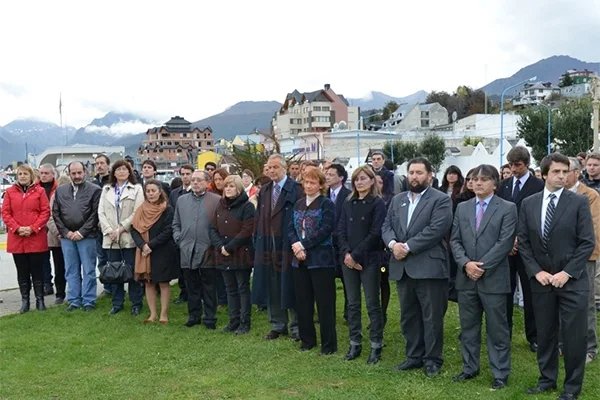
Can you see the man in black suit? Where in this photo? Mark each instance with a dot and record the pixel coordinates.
(520, 186)
(556, 239)
(149, 172)
(335, 177)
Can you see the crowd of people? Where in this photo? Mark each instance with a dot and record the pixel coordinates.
(279, 241)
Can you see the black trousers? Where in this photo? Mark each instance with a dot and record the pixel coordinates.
(239, 299)
(571, 309)
(30, 267)
(59, 271)
(310, 286)
(200, 284)
(517, 266)
(220, 288)
(181, 280)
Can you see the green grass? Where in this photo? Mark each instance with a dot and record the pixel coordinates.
(60, 355)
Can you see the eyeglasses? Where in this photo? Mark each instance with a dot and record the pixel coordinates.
(210, 169)
(198, 180)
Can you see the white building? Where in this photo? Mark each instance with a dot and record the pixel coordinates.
(63, 155)
(534, 93)
(416, 116)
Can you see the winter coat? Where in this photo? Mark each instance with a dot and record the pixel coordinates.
(231, 228)
(53, 240)
(131, 198)
(30, 208)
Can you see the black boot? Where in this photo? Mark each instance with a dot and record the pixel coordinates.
(375, 356)
(38, 289)
(24, 288)
(353, 352)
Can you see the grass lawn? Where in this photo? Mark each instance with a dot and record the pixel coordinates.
(60, 355)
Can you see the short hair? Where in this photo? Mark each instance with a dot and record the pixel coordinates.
(595, 156)
(582, 154)
(162, 197)
(553, 157)
(205, 174)
(176, 182)
(575, 163)
(102, 156)
(222, 172)
(341, 171)
(211, 164)
(237, 181)
(280, 158)
(294, 163)
(50, 167)
(249, 173)
(73, 163)
(189, 167)
(519, 154)
(262, 180)
(487, 171)
(377, 153)
(150, 163)
(29, 170)
(420, 160)
(118, 164)
(317, 175)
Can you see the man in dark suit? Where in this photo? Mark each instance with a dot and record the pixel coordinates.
(272, 279)
(149, 172)
(515, 189)
(185, 172)
(483, 234)
(335, 177)
(556, 239)
(414, 230)
(377, 162)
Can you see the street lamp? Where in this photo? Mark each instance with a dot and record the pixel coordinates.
(502, 112)
(360, 122)
(549, 124)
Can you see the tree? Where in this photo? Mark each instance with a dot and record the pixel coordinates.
(434, 149)
(469, 141)
(533, 128)
(566, 80)
(403, 151)
(572, 129)
(254, 156)
(389, 108)
(465, 101)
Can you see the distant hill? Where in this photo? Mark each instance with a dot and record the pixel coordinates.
(241, 118)
(547, 70)
(376, 100)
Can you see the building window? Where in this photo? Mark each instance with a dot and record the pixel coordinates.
(424, 123)
(316, 108)
(179, 150)
(325, 108)
(209, 143)
(205, 136)
(425, 114)
(169, 143)
(184, 135)
(176, 143)
(540, 91)
(321, 119)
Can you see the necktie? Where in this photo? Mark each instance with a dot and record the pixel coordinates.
(276, 193)
(332, 196)
(548, 220)
(479, 215)
(517, 190)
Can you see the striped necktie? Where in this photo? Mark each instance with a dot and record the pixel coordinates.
(276, 193)
(548, 220)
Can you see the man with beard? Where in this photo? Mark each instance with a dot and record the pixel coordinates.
(75, 212)
(414, 230)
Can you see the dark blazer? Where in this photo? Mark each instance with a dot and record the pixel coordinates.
(359, 230)
(339, 202)
(570, 244)
(175, 195)
(271, 242)
(231, 228)
(318, 221)
(430, 222)
(489, 245)
(532, 186)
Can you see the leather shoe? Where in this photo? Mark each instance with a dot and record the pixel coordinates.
(71, 307)
(409, 364)
(295, 337)
(179, 300)
(463, 376)
(210, 327)
(114, 310)
(353, 352)
(375, 356)
(191, 323)
(230, 328)
(567, 396)
(432, 370)
(135, 311)
(533, 346)
(539, 389)
(272, 335)
(498, 384)
(327, 352)
(306, 348)
(88, 308)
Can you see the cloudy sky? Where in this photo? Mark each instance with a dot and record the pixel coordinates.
(159, 58)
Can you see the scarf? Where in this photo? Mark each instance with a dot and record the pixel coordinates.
(144, 218)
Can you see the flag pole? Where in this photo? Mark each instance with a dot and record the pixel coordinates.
(62, 147)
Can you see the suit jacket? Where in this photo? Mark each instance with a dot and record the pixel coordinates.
(430, 222)
(532, 186)
(594, 199)
(489, 245)
(339, 202)
(570, 244)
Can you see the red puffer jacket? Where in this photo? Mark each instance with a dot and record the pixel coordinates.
(29, 208)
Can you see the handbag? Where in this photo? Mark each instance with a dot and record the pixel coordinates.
(116, 271)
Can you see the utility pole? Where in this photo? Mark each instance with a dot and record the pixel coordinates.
(596, 111)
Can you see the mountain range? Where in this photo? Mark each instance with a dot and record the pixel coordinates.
(126, 129)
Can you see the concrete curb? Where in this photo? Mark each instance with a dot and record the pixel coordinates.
(2, 245)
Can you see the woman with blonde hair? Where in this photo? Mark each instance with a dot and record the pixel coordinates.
(231, 232)
(359, 239)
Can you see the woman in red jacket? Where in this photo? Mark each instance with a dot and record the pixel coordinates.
(26, 211)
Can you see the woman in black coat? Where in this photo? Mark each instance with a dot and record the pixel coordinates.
(152, 233)
(359, 239)
(313, 266)
(231, 235)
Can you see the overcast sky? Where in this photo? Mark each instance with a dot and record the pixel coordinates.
(194, 59)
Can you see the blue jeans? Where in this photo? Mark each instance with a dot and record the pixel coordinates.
(80, 256)
(101, 255)
(136, 290)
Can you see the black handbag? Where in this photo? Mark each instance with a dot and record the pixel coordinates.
(116, 271)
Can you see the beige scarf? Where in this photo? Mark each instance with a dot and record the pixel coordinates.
(144, 218)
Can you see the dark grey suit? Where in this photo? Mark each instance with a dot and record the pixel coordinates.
(422, 276)
(490, 244)
(570, 244)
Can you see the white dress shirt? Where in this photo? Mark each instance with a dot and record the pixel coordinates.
(546, 201)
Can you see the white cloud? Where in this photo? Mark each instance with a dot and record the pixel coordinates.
(121, 128)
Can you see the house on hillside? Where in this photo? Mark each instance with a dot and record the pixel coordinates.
(416, 116)
(534, 93)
